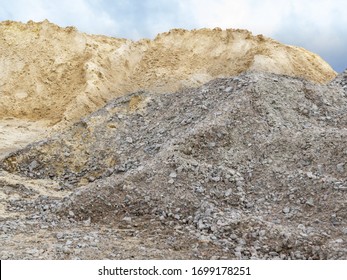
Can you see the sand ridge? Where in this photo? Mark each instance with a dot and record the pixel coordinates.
(60, 74)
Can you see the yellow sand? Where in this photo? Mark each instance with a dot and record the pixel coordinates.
(59, 74)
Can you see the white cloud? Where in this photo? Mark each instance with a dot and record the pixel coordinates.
(87, 15)
(266, 16)
(318, 25)
(257, 16)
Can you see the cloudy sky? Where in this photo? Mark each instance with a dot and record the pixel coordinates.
(317, 25)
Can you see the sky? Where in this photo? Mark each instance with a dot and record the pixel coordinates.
(319, 26)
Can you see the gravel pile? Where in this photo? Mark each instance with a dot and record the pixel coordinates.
(341, 80)
(249, 167)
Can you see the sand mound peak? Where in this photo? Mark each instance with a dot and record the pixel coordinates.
(56, 74)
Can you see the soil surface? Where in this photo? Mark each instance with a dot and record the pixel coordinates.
(17, 133)
(247, 167)
(202, 144)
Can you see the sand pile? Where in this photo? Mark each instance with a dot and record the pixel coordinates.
(52, 73)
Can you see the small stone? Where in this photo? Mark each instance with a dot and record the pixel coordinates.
(213, 237)
(286, 210)
(127, 219)
(249, 204)
(204, 238)
(33, 252)
(129, 140)
(239, 183)
(310, 202)
(228, 192)
(298, 255)
(71, 214)
(340, 167)
(301, 227)
(87, 222)
(228, 89)
(211, 145)
(60, 235)
(140, 168)
(91, 179)
(215, 179)
(128, 187)
(201, 225)
(199, 189)
(238, 254)
(173, 174)
(177, 217)
(233, 236)
(33, 165)
(171, 181)
(66, 250)
(127, 198)
(4, 255)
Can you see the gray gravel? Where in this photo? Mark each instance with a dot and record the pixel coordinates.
(249, 167)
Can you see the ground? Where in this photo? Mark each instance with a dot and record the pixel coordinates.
(248, 167)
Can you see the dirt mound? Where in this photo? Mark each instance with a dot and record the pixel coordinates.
(57, 74)
(247, 167)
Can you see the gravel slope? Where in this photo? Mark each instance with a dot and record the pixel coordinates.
(252, 166)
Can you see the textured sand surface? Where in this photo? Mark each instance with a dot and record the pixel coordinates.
(52, 73)
(17, 133)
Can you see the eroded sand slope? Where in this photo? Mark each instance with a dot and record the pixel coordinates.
(54, 74)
